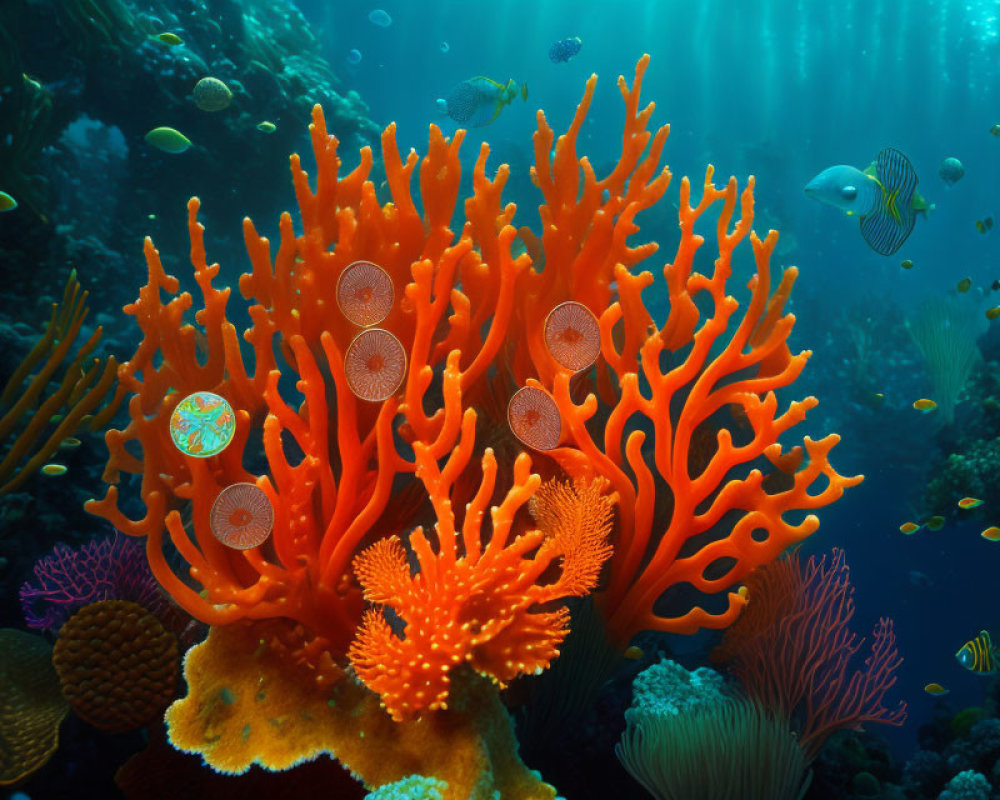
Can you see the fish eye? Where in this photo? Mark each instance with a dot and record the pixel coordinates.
(849, 192)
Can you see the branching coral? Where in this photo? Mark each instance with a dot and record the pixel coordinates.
(793, 651)
(476, 600)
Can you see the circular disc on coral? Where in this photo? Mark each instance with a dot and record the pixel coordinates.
(31, 705)
(573, 335)
(202, 425)
(375, 364)
(211, 94)
(364, 293)
(534, 418)
(118, 665)
(242, 516)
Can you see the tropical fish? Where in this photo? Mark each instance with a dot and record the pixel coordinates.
(884, 196)
(924, 405)
(978, 655)
(633, 653)
(936, 689)
(993, 313)
(969, 502)
(168, 140)
(984, 224)
(563, 50)
(991, 534)
(266, 127)
(53, 470)
(909, 528)
(906, 264)
(171, 39)
(7, 203)
(935, 523)
(478, 101)
(964, 285)
(995, 130)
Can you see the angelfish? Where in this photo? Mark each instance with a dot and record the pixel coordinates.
(884, 196)
(978, 655)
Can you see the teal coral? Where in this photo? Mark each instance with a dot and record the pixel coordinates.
(667, 689)
(968, 785)
(416, 787)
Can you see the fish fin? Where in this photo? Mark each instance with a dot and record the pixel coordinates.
(890, 222)
(496, 112)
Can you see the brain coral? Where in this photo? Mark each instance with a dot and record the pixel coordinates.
(118, 665)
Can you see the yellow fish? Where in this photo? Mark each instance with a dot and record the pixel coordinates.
(964, 285)
(266, 127)
(170, 39)
(924, 405)
(993, 313)
(53, 469)
(936, 689)
(633, 653)
(969, 502)
(907, 264)
(909, 528)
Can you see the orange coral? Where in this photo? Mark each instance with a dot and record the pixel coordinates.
(472, 602)
(249, 703)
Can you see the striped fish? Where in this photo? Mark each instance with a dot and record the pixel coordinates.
(978, 655)
(890, 222)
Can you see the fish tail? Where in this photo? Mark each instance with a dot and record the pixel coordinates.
(890, 222)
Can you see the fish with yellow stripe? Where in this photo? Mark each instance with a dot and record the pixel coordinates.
(478, 101)
(884, 196)
(978, 655)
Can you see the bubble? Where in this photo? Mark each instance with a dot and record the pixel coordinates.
(354, 56)
(534, 418)
(380, 18)
(444, 47)
(202, 425)
(572, 335)
(242, 516)
(375, 365)
(364, 293)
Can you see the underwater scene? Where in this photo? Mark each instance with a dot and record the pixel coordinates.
(499, 401)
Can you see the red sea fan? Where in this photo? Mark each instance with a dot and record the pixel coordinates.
(793, 650)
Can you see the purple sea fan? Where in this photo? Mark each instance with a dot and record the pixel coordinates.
(113, 568)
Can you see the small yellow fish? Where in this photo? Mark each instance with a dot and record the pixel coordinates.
(266, 127)
(964, 285)
(633, 653)
(991, 534)
(7, 203)
(53, 469)
(924, 405)
(936, 689)
(995, 130)
(907, 264)
(169, 39)
(69, 443)
(969, 502)
(168, 140)
(909, 528)
(993, 313)
(935, 523)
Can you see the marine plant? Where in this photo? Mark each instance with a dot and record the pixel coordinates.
(356, 435)
(56, 391)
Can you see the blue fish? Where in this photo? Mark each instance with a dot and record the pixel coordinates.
(478, 101)
(562, 51)
(884, 196)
